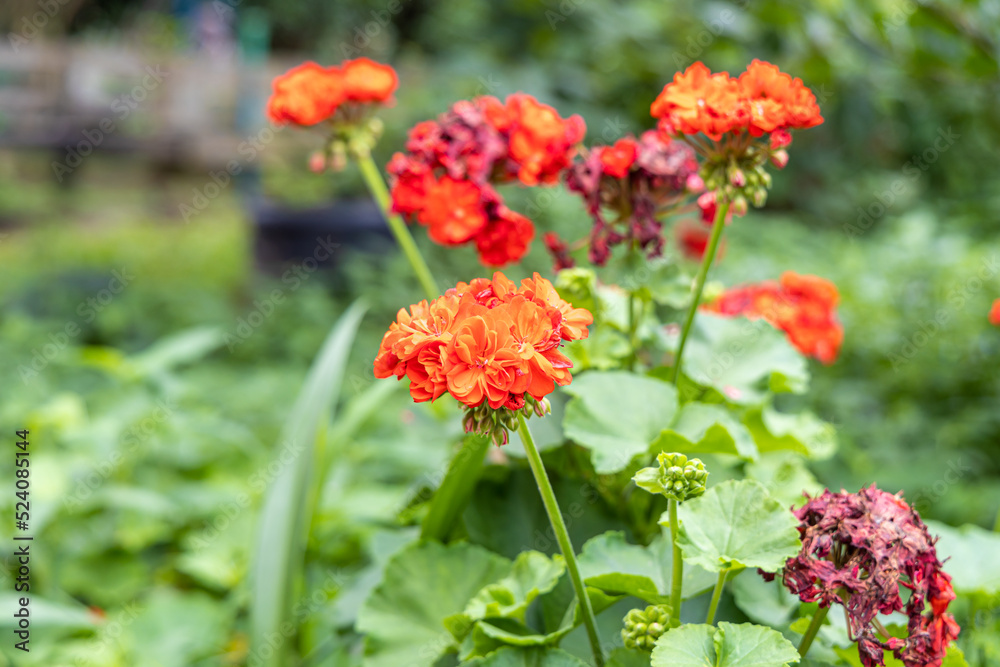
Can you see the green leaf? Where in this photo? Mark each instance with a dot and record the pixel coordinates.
(617, 415)
(533, 573)
(729, 645)
(765, 602)
(455, 490)
(280, 545)
(702, 428)
(743, 359)
(628, 657)
(609, 563)
(181, 348)
(973, 557)
(804, 432)
(512, 657)
(424, 584)
(785, 476)
(46, 613)
(736, 524)
(489, 635)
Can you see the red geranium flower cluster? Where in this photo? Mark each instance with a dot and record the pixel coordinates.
(995, 313)
(485, 341)
(762, 100)
(859, 550)
(309, 93)
(634, 181)
(802, 306)
(445, 179)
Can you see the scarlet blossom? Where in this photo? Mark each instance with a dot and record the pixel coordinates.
(487, 342)
(309, 94)
(306, 95)
(762, 100)
(483, 142)
(995, 313)
(559, 250)
(860, 550)
(616, 160)
(627, 195)
(368, 81)
(453, 211)
(802, 306)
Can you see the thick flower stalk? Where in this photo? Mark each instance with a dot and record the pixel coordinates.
(627, 188)
(861, 551)
(446, 178)
(803, 306)
(642, 627)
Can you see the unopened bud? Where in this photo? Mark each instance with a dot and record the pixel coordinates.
(317, 162)
(676, 477)
(779, 158)
(740, 206)
(641, 628)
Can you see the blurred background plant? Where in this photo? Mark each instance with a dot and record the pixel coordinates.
(155, 423)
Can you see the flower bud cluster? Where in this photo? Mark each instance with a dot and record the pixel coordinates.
(676, 477)
(496, 424)
(644, 626)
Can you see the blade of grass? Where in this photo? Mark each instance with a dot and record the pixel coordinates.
(455, 490)
(280, 538)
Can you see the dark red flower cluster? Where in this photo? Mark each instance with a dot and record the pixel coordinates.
(804, 307)
(633, 181)
(859, 550)
(445, 179)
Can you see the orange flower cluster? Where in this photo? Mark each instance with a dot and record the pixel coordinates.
(488, 340)
(802, 306)
(446, 178)
(310, 93)
(995, 313)
(762, 100)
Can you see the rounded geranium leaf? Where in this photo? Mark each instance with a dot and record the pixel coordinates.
(617, 415)
(729, 645)
(533, 657)
(737, 524)
(404, 616)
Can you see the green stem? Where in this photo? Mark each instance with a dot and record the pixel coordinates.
(455, 490)
(562, 536)
(814, 626)
(678, 578)
(633, 328)
(699, 286)
(716, 594)
(376, 185)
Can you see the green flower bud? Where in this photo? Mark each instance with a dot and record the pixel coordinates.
(642, 627)
(676, 477)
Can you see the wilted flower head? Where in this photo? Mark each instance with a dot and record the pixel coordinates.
(445, 179)
(763, 103)
(628, 186)
(803, 306)
(859, 550)
(487, 343)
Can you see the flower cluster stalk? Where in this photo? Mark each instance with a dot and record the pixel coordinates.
(699, 286)
(562, 536)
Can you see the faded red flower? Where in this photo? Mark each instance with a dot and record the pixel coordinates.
(860, 550)
(802, 306)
